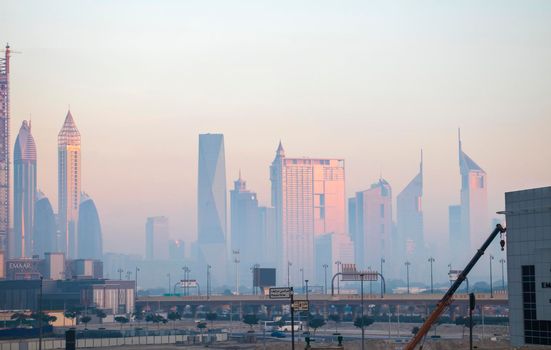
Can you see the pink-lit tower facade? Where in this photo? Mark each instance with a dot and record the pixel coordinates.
(372, 226)
(69, 182)
(308, 195)
(4, 150)
(474, 200)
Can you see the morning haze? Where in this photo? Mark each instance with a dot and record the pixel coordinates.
(372, 83)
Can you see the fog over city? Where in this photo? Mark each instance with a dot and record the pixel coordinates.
(372, 83)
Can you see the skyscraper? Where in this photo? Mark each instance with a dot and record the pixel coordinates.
(176, 249)
(69, 179)
(474, 200)
(156, 238)
(373, 235)
(211, 206)
(245, 220)
(410, 241)
(24, 194)
(44, 229)
(308, 195)
(90, 242)
(4, 149)
(458, 244)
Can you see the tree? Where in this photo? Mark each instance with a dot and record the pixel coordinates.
(45, 318)
(158, 319)
(85, 319)
(19, 317)
(211, 316)
(364, 321)
(251, 320)
(201, 326)
(122, 320)
(173, 316)
(316, 322)
(101, 315)
(337, 319)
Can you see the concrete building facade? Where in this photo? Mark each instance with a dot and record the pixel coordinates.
(528, 216)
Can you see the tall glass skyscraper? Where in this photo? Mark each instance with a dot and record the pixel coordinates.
(308, 195)
(24, 194)
(69, 179)
(410, 241)
(474, 201)
(213, 240)
(90, 242)
(44, 230)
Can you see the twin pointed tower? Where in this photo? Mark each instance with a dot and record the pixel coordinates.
(69, 179)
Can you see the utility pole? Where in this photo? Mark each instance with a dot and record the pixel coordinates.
(431, 260)
(502, 261)
(289, 264)
(338, 263)
(491, 281)
(407, 263)
(325, 266)
(382, 262)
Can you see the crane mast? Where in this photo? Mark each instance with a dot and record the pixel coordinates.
(447, 298)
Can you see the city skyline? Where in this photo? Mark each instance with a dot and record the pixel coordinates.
(454, 83)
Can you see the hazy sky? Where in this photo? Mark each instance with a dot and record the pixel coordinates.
(369, 81)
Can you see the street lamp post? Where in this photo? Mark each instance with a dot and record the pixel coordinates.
(40, 316)
(169, 284)
(502, 261)
(407, 263)
(491, 282)
(431, 260)
(325, 266)
(136, 291)
(382, 262)
(370, 283)
(450, 269)
(338, 263)
(236, 261)
(289, 264)
(362, 304)
(302, 276)
(186, 278)
(253, 271)
(208, 281)
(120, 271)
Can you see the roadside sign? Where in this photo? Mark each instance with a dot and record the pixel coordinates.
(189, 283)
(301, 305)
(357, 276)
(281, 292)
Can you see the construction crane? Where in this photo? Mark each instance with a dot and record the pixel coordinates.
(447, 298)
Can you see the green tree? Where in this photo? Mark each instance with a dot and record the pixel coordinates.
(85, 319)
(201, 326)
(211, 316)
(19, 317)
(251, 320)
(121, 320)
(337, 319)
(101, 315)
(316, 322)
(174, 316)
(364, 321)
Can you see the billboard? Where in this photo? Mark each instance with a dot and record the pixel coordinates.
(264, 277)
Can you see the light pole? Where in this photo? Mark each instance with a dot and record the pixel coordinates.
(370, 283)
(128, 275)
(431, 260)
(169, 284)
(338, 263)
(289, 264)
(450, 270)
(491, 282)
(302, 276)
(253, 271)
(236, 261)
(40, 316)
(407, 263)
(502, 261)
(208, 281)
(308, 312)
(325, 266)
(120, 271)
(136, 292)
(382, 262)
(186, 277)
(362, 304)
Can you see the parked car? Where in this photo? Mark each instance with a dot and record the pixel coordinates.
(278, 334)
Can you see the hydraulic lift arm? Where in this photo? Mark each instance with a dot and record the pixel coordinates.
(447, 298)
